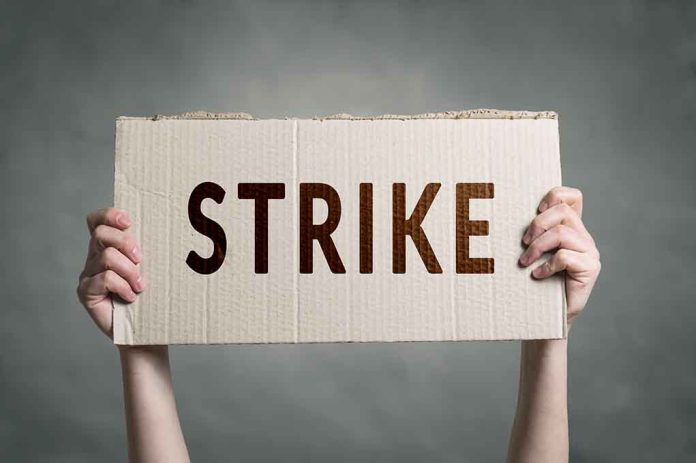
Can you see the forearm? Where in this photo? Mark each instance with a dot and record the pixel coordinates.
(154, 432)
(540, 429)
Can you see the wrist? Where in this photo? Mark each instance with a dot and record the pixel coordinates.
(538, 349)
(143, 353)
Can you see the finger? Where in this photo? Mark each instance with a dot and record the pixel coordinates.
(559, 236)
(560, 214)
(113, 259)
(564, 259)
(108, 216)
(562, 194)
(101, 285)
(99, 307)
(105, 236)
(96, 292)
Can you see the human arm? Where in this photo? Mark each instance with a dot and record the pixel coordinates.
(154, 432)
(540, 428)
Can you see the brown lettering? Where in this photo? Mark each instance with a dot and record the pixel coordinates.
(321, 232)
(365, 228)
(466, 228)
(412, 227)
(207, 227)
(261, 193)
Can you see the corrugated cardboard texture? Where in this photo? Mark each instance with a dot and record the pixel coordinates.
(159, 161)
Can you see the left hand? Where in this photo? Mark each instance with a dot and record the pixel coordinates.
(559, 227)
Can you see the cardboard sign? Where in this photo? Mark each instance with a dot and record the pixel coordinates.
(343, 229)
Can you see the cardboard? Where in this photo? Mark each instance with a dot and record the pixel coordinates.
(415, 256)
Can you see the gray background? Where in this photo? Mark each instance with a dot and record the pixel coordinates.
(621, 74)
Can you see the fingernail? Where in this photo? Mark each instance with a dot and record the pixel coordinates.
(136, 254)
(523, 259)
(539, 271)
(543, 206)
(525, 238)
(139, 284)
(123, 220)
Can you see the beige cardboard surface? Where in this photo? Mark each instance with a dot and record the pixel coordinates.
(161, 160)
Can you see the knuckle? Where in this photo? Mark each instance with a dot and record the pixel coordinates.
(106, 216)
(110, 278)
(100, 231)
(535, 227)
(559, 191)
(127, 242)
(556, 232)
(130, 271)
(104, 260)
(563, 231)
(565, 209)
(108, 258)
(562, 256)
(536, 222)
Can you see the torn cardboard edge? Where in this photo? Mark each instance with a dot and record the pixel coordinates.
(480, 113)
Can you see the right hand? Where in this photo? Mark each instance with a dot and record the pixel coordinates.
(111, 266)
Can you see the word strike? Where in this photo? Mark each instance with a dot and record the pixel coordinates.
(402, 226)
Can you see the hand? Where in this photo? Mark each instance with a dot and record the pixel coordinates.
(111, 266)
(559, 227)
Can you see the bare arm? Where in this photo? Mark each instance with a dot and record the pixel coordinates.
(154, 432)
(540, 430)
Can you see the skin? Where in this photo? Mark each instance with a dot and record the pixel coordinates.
(540, 428)
(152, 422)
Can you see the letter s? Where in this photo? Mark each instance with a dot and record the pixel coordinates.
(207, 227)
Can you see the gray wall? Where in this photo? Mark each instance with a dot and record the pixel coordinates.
(623, 77)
